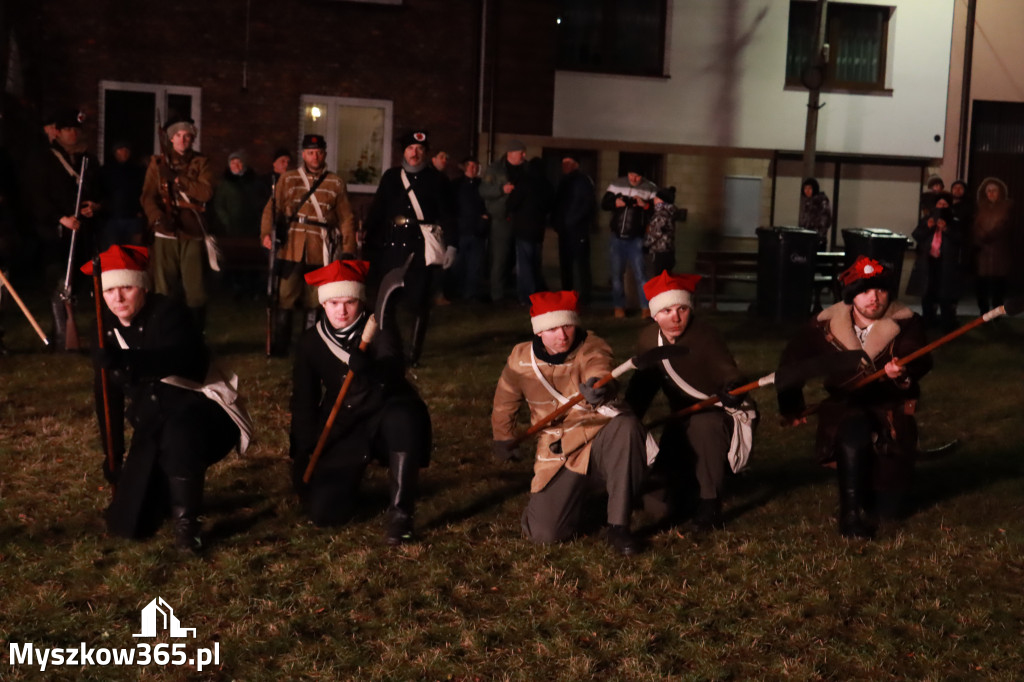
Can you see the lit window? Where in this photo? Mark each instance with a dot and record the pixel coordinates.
(358, 134)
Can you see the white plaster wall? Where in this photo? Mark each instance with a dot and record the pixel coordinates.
(726, 87)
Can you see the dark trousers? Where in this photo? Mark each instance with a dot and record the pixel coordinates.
(574, 264)
(990, 292)
(332, 496)
(617, 462)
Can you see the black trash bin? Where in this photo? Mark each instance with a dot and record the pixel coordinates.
(785, 272)
(884, 246)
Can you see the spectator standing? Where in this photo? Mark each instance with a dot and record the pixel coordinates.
(238, 204)
(498, 182)
(936, 274)
(660, 240)
(528, 207)
(121, 182)
(991, 239)
(815, 211)
(629, 199)
(573, 217)
(474, 228)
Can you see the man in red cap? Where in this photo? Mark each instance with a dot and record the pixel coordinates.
(413, 214)
(696, 449)
(870, 433)
(311, 218)
(382, 417)
(595, 441)
(159, 378)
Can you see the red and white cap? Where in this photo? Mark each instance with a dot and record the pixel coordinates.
(122, 266)
(340, 279)
(665, 291)
(550, 309)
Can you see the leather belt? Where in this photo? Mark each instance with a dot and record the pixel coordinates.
(305, 220)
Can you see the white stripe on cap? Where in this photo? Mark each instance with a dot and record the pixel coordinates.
(111, 279)
(667, 299)
(344, 289)
(555, 318)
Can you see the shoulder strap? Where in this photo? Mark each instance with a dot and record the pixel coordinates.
(412, 196)
(309, 192)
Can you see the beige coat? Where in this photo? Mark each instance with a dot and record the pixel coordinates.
(518, 382)
(304, 242)
(194, 177)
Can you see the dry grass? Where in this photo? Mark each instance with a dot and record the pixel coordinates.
(777, 595)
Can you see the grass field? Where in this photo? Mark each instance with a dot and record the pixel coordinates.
(776, 595)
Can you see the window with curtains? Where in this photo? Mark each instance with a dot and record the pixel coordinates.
(612, 36)
(858, 40)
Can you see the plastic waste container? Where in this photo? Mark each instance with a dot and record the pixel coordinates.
(786, 259)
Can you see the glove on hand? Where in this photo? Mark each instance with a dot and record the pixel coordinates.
(594, 395)
(505, 450)
(359, 361)
(727, 398)
(449, 258)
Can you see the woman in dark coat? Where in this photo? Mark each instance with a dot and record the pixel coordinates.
(815, 210)
(991, 240)
(936, 275)
(381, 418)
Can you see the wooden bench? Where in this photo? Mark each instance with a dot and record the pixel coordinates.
(741, 266)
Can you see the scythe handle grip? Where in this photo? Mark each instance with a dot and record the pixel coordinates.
(369, 331)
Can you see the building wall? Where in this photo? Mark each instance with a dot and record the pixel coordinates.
(422, 55)
(726, 87)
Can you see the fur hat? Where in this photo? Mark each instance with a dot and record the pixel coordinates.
(866, 273)
(173, 126)
(414, 137)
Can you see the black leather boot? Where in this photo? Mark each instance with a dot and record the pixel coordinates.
(419, 335)
(403, 473)
(707, 517)
(60, 323)
(186, 503)
(851, 467)
(281, 335)
(622, 541)
(198, 314)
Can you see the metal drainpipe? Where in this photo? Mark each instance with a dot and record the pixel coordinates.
(965, 91)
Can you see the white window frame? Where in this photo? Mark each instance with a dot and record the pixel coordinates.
(330, 123)
(161, 91)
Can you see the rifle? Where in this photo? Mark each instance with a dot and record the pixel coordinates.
(164, 164)
(272, 289)
(108, 436)
(71, 341)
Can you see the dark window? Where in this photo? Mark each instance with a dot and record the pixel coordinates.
(648, 165)
(612, 36)
(857, 36)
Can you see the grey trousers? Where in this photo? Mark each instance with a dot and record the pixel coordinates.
(618, 460)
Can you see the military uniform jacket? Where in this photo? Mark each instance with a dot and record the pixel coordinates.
(304, 242)
(392, 200)
(708, 366)
(317, 378)
(575, 431)
(55, 188)
(162, 342)
(192, 187)
(891, 403)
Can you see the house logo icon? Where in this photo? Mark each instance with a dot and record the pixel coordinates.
(158, 615)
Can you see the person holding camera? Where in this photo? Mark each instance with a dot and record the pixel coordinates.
(936, 274)
(629, 199)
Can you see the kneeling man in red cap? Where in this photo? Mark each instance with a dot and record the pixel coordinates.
(697, 449)
(381, 418)
(185, 414)
(595, 441)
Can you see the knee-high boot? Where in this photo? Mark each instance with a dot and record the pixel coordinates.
(281, 336)
(403, 474)
(852, 474)
(419, 335)
(186, 504)
(60, 322)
